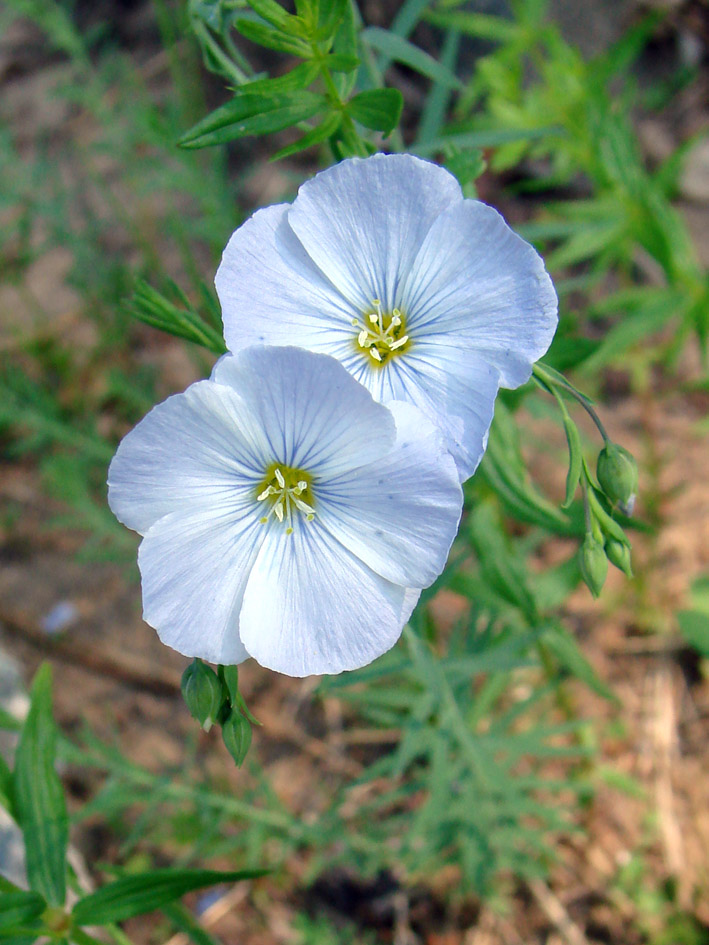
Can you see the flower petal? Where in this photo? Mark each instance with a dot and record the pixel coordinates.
(272, 293)
(194, 568)
(475, 279)
(454, 385)
(313, 413)
(190, 449)
(312, 607)
(363, 221)
(400, 514)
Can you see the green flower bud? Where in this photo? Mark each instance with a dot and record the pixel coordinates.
(618, 553)
(236, 732)
(202, 692)
(617, 474)
(593, 564)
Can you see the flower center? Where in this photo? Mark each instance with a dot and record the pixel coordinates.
(381, 334)
(284, 491)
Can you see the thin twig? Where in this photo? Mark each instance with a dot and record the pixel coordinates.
(555, 911)
(152, 679)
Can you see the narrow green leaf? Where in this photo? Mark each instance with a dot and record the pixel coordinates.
(40, 807)
(268, 114)
(337, 63)
(274, 14)
(566, 650)
(435, 110)
(486, 138)
(346, 43)
(20, 909)
(273, 39)
(401, 50)
(245, 104)
(330, 15)
(378, 109)
(298, 78)
(151, 307)
(6, 800)
(326, 129)
(8, 722)
(480, 25)
(135, 895)
(186, 922)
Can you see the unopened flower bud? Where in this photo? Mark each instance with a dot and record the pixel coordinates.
(618, 553)
(617, 474)
(236, 732)
(593, 563)
(202, 692)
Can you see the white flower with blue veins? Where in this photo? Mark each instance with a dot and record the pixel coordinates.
(285, 514)
(424, 296)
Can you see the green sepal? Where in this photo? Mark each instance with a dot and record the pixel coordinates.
(618, 553)
(593, 564)
(617, 474)
(237, 733)
(202, 692)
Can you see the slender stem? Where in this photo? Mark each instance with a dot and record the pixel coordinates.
(586, 507)
(548, 381)
(348, 127)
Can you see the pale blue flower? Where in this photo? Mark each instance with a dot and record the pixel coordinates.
(286, 514)
(423, 296)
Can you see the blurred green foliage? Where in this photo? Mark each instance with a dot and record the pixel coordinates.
(488, 761)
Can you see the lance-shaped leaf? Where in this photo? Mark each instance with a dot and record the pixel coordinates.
(6, 800)
(274, 14)
(315, 136)
(401, 50)
(253, 114)
(378, 109)
(135, 895)
(39, 802)
(20, 909)
(273, 38)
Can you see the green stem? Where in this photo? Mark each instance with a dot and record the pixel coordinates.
(230, 69)
(548, 380)
(349, 131)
